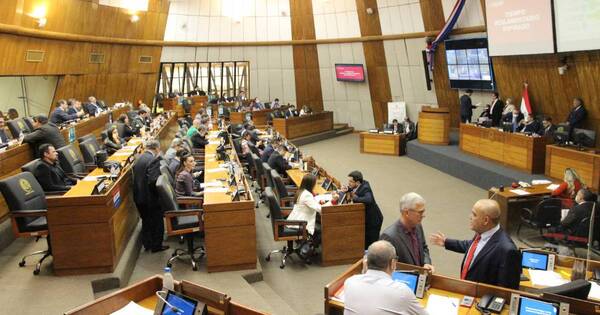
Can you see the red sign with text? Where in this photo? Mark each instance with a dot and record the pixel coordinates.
(353, 73)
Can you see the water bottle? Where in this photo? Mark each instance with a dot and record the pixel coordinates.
(168, 282)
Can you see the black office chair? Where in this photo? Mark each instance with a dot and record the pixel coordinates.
(88, 149)
(546, 214)
(28, 211)
(72, 163)
(86, 137)
(268, 178)
(121, 130)
(283, 229)
(31, 166)
(259, 172)
(577, 289)
(186, 222)
(29, 122)
(285, 193)
(17, 126)
(164, 170)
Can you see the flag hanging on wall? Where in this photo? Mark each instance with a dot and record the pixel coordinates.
(431, 46)
(525, 104)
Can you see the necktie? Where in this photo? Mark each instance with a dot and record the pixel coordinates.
(469, 258)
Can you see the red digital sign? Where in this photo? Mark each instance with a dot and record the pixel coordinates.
(351, 73)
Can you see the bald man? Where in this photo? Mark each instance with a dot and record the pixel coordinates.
(491, 256)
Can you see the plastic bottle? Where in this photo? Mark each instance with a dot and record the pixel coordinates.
(168, 282)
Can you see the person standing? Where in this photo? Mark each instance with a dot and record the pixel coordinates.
(44, 132)
(577, 114)
(466, 107)
(491, 256)
(496, 108)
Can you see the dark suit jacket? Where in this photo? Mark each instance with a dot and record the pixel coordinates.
(402, 242)
(291, 113)
(267, 153)
(111, 146)
(496, 112)
(278, 163)
(373, 215)
(576, 117)
(572, 223)
(92, 108)
(59, 116)
(141, 189)
(3, 136)
(47, 133)
(198, 141)
(498, 262)
(466, 106)
(72, 111)
(533, 127)
(52, 177)
(548, 131)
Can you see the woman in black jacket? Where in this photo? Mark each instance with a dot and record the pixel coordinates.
(128, 130)
(112, 141)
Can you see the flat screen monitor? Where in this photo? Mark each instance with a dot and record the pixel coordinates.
(326, 184)
(180, 305)
(409, 278)
(535, 260)
(529, 306)
(469, 65)
(349, 72)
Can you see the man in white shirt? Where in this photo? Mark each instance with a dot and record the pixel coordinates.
(374, 292)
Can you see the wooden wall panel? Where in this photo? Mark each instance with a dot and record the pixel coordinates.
(306, 57)
(377, 71)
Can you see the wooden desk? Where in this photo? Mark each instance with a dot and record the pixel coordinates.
(229, 226)
(586, 163)
(169, 104)
(143, 293)
(511, 203)
(450, 287)
(89, 232)
(13, 158)
(511, 149)
(342, 226)
(434, 125)
(297, 127)
(380, 143)
(259, 117)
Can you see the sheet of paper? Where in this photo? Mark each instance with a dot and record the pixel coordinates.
(91, 178)
(594, 291)
(212, 184)
(519, 192)
(214, 142)
(216, 190)
(552, 187)
(133, 309)
(563, 213)
(323, 197)
(437, 304)
(540, 182)
(216, 170)
(546, 278)
(123, 153)
(130, 147)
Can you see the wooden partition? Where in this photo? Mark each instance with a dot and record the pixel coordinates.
(260, 117)
(434, 125)
(586, 163)
(380, 143)
(296, 127)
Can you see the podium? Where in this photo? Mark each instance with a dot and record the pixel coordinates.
(434, 125)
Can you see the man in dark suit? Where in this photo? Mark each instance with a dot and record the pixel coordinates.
(577, 222)
(60, 114)
(93, 107)
(577, 114)
(547, 127)
(291, 112)
(466, 107)
(361, 193)
(74, 107)
(491, 256)
(514, 118)
(44, 132)
(530, 125)
(49, 174)
(3, 135)
(144, 196)
(496, 108)
(277, 161)
(409, 129)
(407, 234)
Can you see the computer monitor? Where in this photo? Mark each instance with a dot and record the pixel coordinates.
(520, 305)
(326, 184)
(100, 186)
(235, 196)
(537, 260)
(179, 304)
(584, 137)
(315, 172)
(414, 281)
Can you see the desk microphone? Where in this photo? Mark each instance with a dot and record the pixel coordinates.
(171, 306)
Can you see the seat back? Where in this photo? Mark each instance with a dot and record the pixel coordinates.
(29, 122)
(274, 209)
(267, 171)
(166, 194)
(257, 163)
(31, 166)
(88, 150)
(23, 192)
(583, 228)
(70, 160)
(17, 126)
(121, 129)
(164, 170)
(548, 212)
(237, 145)
(253, 148)
(279, 185)
(86, 137)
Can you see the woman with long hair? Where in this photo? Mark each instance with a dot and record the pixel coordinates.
(184, 183)
(307, 206)
(568, 189)
(112, 142)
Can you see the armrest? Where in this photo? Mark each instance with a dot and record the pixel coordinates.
(286, 212)
(77, 175)
(28, 213)
(190, 200)
(90, 167)
(300, 224)
(526, 214)
(183, 213)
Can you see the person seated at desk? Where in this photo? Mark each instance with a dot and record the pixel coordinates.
(275, 104)
(74, 107)
(198, 139)
(409, 128)
(128, 130)
(268, 151)
(514, 118)
(491, 256)
(486, 112)
(577, 222)
(196, 91)
(93, 107)
(407, 234)
(176, 144)
(112, 141)
(12, 113)
(60, 115)
(291, 112)
(278, 162)
(568, 189)
(143, 119)
(530, 126)
(256, 105)
(305, 111)
(3, 134)
(375, 292)
(194, 128)
(548, 128)
(508, 107)
(307, 206)
(184, 184)
(44, 132)
(395, 126)
(49, 173)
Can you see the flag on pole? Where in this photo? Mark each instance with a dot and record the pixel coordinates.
(525, 104)
(445, 32)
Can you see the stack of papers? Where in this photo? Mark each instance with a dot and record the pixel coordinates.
(546, 278)
(216, 170)
(214, 142)
(133, 309)
(594, 291)
(519, 192)
(323, 197)
(211, 184)
(437, 304)
(216, 190)
(540, 182)
(552, 187)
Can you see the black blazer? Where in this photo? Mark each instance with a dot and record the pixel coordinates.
(3, 137)
(47, 133)
(402, 242)
(466, 106)
(52, 177)
(373, 215)
(576, 117)
(291, 113)
(573, 223)
(498, 262)
(111, 146)
(141, 189)
(59, 116)
(548, 131)
(496, 112)
(278, 163)
(92, 108)
(198, 141)
(533, 127)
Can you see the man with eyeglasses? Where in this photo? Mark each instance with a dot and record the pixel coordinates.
(407, 234)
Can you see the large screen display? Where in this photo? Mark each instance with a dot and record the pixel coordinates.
(517, 27)
(469, 65)
(350, 72)
(577, 25)
(531, 260)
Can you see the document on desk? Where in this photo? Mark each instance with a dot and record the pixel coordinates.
(92, 178)
(211, 184)
(546, 278)
(214, 141)
(437, 304)
(520, 192)
(540, 182)
(552, 186)
(125, 153)
(216, 189)
(133, 309)
(216, 170)
(323, 197)
(594, 291)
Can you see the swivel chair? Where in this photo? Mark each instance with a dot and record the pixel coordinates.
(285, 193)
(72, 163)
(17, 126)
(546, 214)
(88, 149)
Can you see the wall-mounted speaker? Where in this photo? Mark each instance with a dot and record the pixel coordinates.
(96, 57)
(34, 55)
(145, 59)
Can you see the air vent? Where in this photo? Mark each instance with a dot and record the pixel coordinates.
(145, 59)
(34, 55)
(96, 58)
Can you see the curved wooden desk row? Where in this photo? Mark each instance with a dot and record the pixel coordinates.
(260, 117)
(170, 104)
(89, 232)
(454, 288)
(12, 159)
(143, 293)
(296, 127)
(381, 143)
